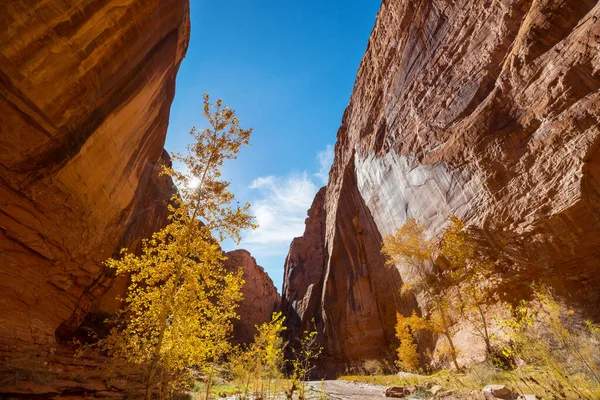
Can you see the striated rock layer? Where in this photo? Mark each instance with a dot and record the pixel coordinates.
(260, 295)
(304, 268)
(489, 111)
(85, 92)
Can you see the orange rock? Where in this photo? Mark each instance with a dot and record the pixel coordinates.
(303, 271)
(86, 91)
(489, 113)
(260, 295)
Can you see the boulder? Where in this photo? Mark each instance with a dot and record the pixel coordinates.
(435, 389)
(495, 392)
(528, 397)
(396, 391)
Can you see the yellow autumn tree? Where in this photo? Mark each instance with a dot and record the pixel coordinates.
(267, 354)
(257, 367)
(459, 288)
(303, 361)
(471, 271)
(181, 300)
(406, 329)
(410, 246)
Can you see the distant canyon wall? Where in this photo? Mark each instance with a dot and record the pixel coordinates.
(488, 111)
(260, 300)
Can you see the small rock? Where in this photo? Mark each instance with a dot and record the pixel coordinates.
(443, 394)
(403, 374)
(493, 392)
(183, 396)
(218, 381)
(435, 389)
(397, 392)
(528, 397)
(428, 384)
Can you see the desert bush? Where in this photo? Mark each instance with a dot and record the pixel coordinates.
(372, 367)
(257, 368)
(556, 356)
(26, 364)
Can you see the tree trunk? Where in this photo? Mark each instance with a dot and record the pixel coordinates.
(209, 382)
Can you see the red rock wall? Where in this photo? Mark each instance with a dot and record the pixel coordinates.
(487, 110)
(85, 92)
(304, 269)
(260, 300)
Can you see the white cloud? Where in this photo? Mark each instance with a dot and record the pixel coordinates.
(281, 208)
(281, 204)
(325, 159)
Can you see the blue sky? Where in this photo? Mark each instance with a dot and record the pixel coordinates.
(287, 68)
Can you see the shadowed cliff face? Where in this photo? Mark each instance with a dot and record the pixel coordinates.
(85, 92)
(489, 111)
(304, 269)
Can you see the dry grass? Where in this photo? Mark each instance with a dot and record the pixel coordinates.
(526, 380)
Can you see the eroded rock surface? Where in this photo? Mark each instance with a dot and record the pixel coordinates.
(304, 269)
(260, 295)
(85, 92)
(489, 111)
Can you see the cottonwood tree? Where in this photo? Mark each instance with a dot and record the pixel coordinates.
(410, 246)
(458, 288)
(406, 329)
(303, 361)
(259, 365)
(181, 300)
(470, 270)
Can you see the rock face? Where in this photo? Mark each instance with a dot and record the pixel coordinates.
(488, 111)
(260, 295)
(304, 268)
(85, 92)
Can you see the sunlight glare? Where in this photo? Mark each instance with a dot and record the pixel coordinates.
(193, 183)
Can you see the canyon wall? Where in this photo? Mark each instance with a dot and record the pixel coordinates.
(485, 110)
(86, 89)
(260, 300)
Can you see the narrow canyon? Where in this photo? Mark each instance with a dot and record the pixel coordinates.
(489, 111)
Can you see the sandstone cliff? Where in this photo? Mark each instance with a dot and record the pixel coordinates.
(489, 111)
(85, 92)
(260, 295)
(304, 268)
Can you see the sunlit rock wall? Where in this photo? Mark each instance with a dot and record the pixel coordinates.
(489, 111)
(85, 92)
